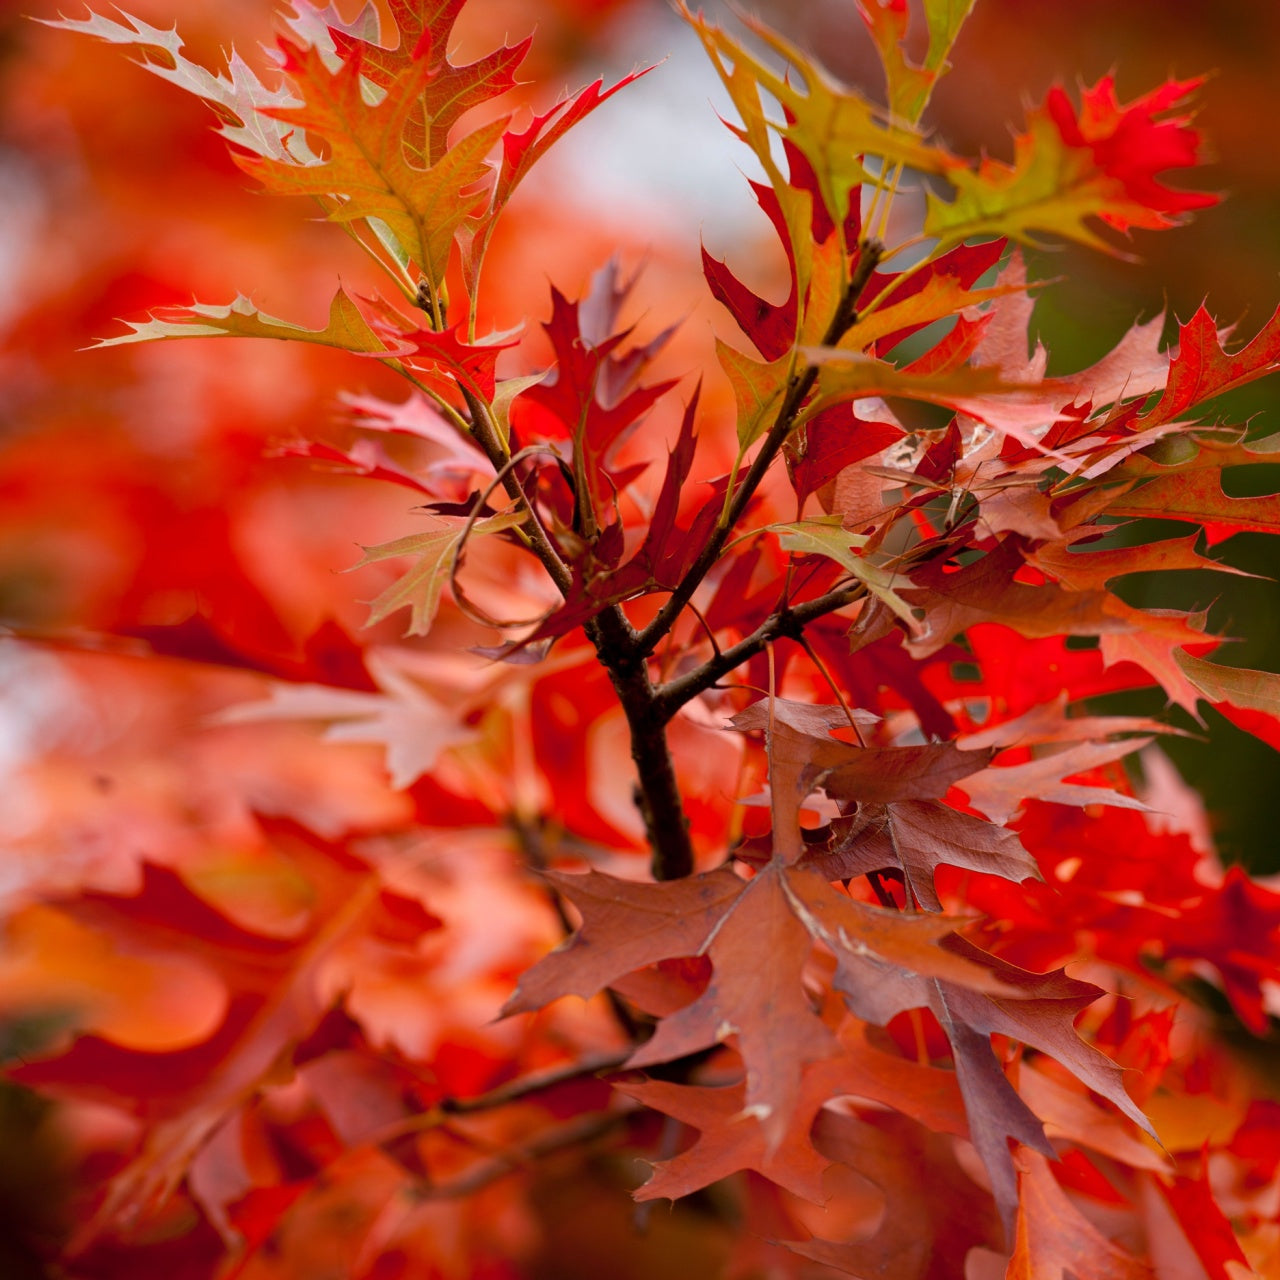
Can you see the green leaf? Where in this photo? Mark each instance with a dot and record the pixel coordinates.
(942, 295)
(508, 389)
(1051, 187)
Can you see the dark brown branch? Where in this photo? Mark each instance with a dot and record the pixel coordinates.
(657, 791)
(671, 696)
(624, 652)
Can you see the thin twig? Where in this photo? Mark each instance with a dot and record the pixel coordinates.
(803, 642)
(486, 435)
(786, 622)
(472, 611)
(538, 1082)
(577, 1132)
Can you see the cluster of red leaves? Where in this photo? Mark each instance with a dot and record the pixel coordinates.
(271, 883)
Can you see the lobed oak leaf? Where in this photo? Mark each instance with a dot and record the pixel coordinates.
(886, 961)
(325, 27)
(915, 836)
(930, 1095)
(1197, 1216)
(458, 466)
(1000, 790)
(781, 912)
(758, 388)
(770, 326)
(442, 358)
(1041, 1015)
(593, 397)
(832, 126)
(889, 775)
(931, 297)
(827, 536)
(671, 544)
(368, 172)
(363, 458)
(520, 151)
(438, 555)
(1249, 699)
(240, 100)
(1197, 496)
(424, 34)
(409, 722)
(1050, 722)
(987, 590)
(1055, 1239)
(732, 1138)
(1072, 1116)
(934, 1212)
(1079, 569)
(832, 441)
(1018, 410)
(1154, 645)
(1098, 164)
(803, 755)
(347, 329)
(778, 1031)
(1202, 368)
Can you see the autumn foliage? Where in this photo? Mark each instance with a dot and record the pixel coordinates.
(697, 791)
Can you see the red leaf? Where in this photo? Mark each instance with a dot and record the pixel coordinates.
(1132, 146)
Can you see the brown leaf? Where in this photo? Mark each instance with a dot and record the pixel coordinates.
(885, 961)
(987, 591)
(732, 1138)
(999, 791)
(1056, 1240)
(934, 1212)
(915, 836)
